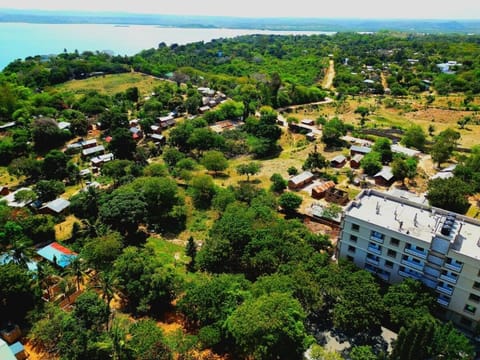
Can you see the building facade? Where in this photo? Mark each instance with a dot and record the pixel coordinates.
(396, 238)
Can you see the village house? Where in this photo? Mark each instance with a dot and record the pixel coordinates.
(319, 191)
(384, 177)
(100, 149)
(301, 180)
(158, 139)
(137, 134)
(98, 161)
(355, 161)
(55, 207)
(362, 150)
(336, 196)
(338, 161)
(166, 121)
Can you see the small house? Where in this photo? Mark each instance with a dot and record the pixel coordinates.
(156, 129)
(85, 173)
(64, 125)
(319, 191)
(355, 161)
(311, 136)
(18, 350)
(137, 134)
(100, 149)
(11, 333)
(384, 177)
(89, 143)
(166, 121)
(10, 199)
(338, 161)
(204, 109)
(158, 139)
(308, 122)
(336, 196)
(55, 207)
(362, 150)
(101, 159)
(299, 181)
(4, 190)
(399, 149)
(57, 254)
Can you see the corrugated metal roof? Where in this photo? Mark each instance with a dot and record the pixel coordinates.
(301, 177)
(324, 186)
(385, 173)
(58, 205)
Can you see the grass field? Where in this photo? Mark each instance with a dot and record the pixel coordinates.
(112, 84)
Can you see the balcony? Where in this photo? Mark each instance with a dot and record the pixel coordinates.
(414, 252)
(372, 261)
(443, 302)
(445, 290)
(375, 249)
(412, 264)
(377, 239)
(453, 267)
(451, 279)
(410, 274)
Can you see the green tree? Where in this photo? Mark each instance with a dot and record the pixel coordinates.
(123, 211)
(292, 171)
(269, 327)
(203, 190)
(54, 166)
(17, 295)
(315, 161)
(278, 183)
(122, 145)
(191, 251)
(383, 146)
(100, 252)
(415, 341)
(449, 194)
(332, 131)
(360, 307)
(415, 137)
(319, 353)
(46, 134)
(444, 145)
(248, 169)
(400, 169)
(90, 310)
(290, 202)
(371, 163)
(362, 353)
(147, 341)
(48, 190)
(214, 161)
(451, 344)
(147, 284)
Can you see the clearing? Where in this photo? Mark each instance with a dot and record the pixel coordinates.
(112, 84)
(329, 76)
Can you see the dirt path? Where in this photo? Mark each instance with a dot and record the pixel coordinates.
(329, 76)
(384, 81)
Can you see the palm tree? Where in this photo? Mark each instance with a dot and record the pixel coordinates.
(75, 269)
(21, 252)
(107, 285)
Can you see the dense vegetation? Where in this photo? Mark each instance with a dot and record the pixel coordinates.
(261, 284)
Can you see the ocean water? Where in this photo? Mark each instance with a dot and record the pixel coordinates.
(19, 40)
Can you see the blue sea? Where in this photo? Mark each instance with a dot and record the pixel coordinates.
(19, 40)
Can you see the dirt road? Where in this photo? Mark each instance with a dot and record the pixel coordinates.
(329, 76)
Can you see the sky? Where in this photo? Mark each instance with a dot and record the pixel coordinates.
(402, 9)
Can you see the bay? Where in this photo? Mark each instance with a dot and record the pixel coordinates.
(20, 40)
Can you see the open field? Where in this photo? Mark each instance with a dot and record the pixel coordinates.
(112, 84)
(409, 111)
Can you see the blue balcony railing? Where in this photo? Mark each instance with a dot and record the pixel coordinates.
(413, 275)
(443, 302)
(377, 239)
(453, 267)
(372, 261)
(417, 253)
(449, 278)
(412, 264)
(374, 249)
(445, 290)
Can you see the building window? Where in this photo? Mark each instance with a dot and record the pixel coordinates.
(394, 242)
(350, 258)
(476, 285)
(470, 309)
(355, 227)
(353, 238)
(388, 264)
(351, 249)
(377, 235)
(392, 253)
(474, 298)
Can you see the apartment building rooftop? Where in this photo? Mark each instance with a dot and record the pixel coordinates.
(420, 221)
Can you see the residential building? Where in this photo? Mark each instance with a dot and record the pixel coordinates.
(319, 191)
(396, 238)
(336, 196)
(338, 161)
(5, 351)
(301, 180)
(355, 161)
(55, 207)
(384, 177)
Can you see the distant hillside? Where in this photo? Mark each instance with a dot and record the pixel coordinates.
(307, 24)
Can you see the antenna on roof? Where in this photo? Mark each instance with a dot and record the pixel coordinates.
(395, 213)
(377, 208)
(415, 222)
(400, 225)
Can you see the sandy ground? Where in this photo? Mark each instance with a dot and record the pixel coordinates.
(329, 76)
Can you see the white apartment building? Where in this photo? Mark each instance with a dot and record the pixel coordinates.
(396, 238)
